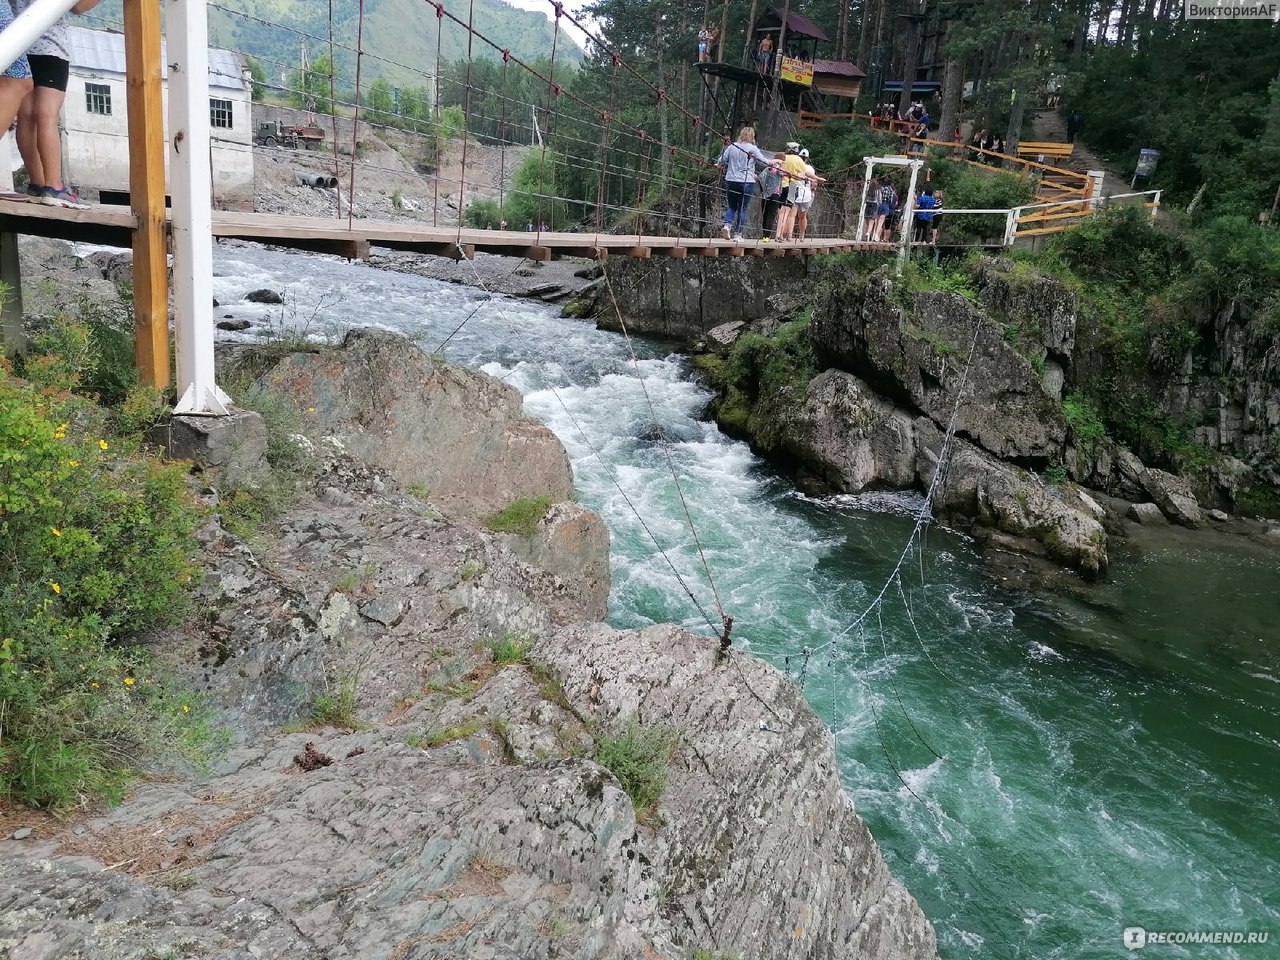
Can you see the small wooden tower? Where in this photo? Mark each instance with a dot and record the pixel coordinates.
(781, 74)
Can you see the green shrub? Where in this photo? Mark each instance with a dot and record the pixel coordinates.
(521, 516)
(510, 649)
(1086, 424)
(482, 214)
(639, 757)
(96, 546)
(438, 738)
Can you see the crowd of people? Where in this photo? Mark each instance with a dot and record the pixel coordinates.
(884, 209)
(787, 183)
(32, 91)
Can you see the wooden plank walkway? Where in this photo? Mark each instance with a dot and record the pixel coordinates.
(113, 225)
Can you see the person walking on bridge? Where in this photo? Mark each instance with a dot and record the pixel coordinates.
(738, 163)
(39, 140)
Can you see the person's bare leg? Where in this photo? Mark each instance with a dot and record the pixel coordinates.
(802, 223)
(26, 139)
(48, 108)
(12, 92)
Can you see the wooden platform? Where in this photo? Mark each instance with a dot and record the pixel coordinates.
(112, 226)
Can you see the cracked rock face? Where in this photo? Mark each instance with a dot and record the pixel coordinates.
(917, 358)
(458, 810)
(467, 817)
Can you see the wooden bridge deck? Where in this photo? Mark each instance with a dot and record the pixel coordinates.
(113, 226)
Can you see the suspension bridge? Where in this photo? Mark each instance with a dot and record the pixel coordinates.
(608, 223)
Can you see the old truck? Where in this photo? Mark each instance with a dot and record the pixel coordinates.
(276, 134)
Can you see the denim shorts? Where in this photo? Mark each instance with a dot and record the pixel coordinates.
(885, 209)
(19, 69)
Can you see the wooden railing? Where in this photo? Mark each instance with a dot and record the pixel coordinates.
(1052, 183)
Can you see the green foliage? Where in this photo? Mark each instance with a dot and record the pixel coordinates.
(534, 193)
(510, 649)
(258, 78)
(310, 87)
(338, 707)
(482, 214)
(1056, 473)
(639, 756)
(763, 375)
(379, 101)
(966, 188)
(96, 542)
(922, 276)
(91, 354)
(1173, 92)
(520, 516)
(438, 738)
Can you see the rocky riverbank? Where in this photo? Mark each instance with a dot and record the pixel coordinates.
(452, 798)
(854, 389)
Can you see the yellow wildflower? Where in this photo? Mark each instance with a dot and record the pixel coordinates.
(185, 708)
(311, 409)
(129, 681)
(55, 587)
(61, 428)
(55, 531)
(73, 463)
(102, 444)
(94, 686)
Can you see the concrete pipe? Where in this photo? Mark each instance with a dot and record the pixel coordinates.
(316, 180)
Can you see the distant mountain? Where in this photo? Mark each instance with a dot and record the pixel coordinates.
(399, 35)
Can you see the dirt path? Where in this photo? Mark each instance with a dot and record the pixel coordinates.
(1051, 126)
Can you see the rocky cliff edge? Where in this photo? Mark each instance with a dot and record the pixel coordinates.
(458, 810)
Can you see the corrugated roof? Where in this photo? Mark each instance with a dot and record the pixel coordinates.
(797, 24)
(841, 68)
(101, 51)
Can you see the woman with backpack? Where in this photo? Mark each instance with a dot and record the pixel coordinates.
(738, 163)
(770, 197)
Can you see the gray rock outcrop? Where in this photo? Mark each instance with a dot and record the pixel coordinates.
(459, 434)
(468, 818)
(852, 438)
(917, 358)
(683, 299)
(1002, 496)
(447, 801)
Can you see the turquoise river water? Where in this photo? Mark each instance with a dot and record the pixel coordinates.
(1108, 764)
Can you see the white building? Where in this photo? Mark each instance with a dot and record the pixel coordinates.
(96, 156)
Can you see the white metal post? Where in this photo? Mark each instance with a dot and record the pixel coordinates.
(190, 186)
(908, 214)
(862, 209)
(1155, 205)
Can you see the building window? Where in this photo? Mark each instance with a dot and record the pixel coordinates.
(97, 97)
(220, 113)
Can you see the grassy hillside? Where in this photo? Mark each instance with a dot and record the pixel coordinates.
(403, 31)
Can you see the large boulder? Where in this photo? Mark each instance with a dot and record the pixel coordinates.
(1173, 496)
(993, 494)
(851, 438)
(459, 435)
(916, 355)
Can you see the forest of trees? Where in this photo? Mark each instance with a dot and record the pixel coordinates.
(1205, 94)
